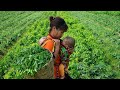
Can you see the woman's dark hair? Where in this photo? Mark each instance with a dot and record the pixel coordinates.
(59, 23)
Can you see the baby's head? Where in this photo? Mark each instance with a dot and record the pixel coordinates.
(69, 43)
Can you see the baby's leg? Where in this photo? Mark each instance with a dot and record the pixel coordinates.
(61, 70)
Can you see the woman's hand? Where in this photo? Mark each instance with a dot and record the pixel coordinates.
(66, 70)
(57, 41)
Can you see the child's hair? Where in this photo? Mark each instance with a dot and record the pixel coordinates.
(58, 22)
(69, 41)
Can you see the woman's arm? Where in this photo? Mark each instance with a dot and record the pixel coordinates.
(50, 45)
(57, 48)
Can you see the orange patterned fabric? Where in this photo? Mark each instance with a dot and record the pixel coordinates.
(49, 46)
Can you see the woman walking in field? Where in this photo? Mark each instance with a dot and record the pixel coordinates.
(57, 28)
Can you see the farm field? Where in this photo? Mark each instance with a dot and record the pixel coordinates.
(97, 49)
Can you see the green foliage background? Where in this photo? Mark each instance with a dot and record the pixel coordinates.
(97, 49)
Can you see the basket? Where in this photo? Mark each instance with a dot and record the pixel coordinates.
(46, 72)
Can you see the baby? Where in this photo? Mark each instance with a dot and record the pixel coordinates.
(66, 49)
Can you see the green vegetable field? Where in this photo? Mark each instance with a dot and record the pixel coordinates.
(97, 48)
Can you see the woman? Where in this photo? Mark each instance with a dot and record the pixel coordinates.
(57, 28)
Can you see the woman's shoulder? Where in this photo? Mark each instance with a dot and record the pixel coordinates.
(49, 44)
